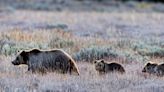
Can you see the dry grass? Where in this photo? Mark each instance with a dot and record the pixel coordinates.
(14, 38)
(89, 80)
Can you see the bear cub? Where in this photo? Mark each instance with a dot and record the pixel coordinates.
(103, 67)
(154, 68)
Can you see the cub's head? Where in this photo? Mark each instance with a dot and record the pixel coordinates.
(99, 65)
(21, 58)
(149, 67)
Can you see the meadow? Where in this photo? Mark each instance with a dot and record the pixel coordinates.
(129, 38)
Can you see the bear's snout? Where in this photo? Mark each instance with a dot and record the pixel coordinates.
(144, 70)
(15, 63)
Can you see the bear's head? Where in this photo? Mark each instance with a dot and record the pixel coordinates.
(149, 67)
(99, 65)
(21, 58)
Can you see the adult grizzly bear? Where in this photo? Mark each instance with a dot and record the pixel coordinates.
(44, 61)
(103, 67)
(153, 68)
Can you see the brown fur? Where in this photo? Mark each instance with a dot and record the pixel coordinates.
(149, 68)
(160, 70)
(154, 68)
(103, 67)
(44, 61)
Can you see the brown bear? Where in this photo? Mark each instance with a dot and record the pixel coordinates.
(47, 61)
(154, 68)
(103, 67)
(150, 68)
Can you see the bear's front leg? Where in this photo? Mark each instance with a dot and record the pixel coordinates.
(28, 70)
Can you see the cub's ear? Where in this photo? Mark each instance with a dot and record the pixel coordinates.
(148, 64)
(95, 61)
(102, 61)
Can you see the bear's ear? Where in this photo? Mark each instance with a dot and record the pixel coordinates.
(23, 54)
(95, 61)
(18, 51)
(102, 61)
(148, 64)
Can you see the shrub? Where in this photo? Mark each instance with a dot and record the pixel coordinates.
(11, 47)
(94, 52)
(148, 50)
(107, 52)
(58, 42)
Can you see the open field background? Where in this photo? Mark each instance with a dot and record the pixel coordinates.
(130, 36)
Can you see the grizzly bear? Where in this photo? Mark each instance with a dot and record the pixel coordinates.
(150, 68)
(47, 61)
(103, 67)
(153, 68)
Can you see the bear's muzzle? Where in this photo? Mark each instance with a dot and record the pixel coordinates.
(15, 63)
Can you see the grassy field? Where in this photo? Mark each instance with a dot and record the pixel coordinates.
(129, 38)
